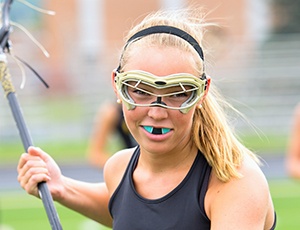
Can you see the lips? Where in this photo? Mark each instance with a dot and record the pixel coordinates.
(156, 131)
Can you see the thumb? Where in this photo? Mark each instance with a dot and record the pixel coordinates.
(36, 151)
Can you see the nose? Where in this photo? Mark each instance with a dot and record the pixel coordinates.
(157, 113)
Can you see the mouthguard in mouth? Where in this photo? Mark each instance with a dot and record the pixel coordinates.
(156, 131)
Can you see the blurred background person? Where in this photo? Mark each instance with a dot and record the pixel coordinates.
(293, 155)
(109, 122)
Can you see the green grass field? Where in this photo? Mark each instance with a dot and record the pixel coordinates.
(286, 198)
(23, 212)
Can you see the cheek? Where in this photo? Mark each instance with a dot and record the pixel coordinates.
(183, 120)
(131, 116)
(133, 119)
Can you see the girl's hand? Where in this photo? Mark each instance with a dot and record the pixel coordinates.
(38, 166)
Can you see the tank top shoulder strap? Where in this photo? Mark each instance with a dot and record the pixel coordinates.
(275, 221)
(131, 164)
(204, 187)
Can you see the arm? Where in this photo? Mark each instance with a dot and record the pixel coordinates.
(293, 155)
(88, 199)
(91, 200)
(240, 203)
(105, 124)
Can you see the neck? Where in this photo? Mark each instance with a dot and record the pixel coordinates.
(172, 160)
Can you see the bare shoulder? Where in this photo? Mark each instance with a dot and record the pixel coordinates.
(243, 203)
(115, 167)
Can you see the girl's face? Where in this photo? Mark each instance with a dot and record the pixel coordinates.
(156, 129)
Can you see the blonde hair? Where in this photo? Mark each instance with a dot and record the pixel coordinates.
(210, 131)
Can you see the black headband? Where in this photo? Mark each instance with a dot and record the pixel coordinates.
(168, 30)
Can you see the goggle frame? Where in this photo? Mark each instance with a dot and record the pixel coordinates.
(180, 79)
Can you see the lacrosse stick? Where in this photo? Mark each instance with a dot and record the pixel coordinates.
(9, 92)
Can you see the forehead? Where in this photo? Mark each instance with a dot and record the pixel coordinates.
(160, 61)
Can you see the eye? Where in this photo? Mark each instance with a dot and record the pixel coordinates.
(179, 95)
(140, 92)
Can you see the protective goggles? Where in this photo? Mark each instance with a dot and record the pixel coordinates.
(177, 91)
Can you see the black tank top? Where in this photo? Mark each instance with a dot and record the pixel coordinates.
(182, 208)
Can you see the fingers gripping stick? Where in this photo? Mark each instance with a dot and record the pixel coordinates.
(27, 141)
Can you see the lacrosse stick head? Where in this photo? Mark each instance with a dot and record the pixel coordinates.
(4, 23)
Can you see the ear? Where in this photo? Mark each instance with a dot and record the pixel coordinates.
(206, 90)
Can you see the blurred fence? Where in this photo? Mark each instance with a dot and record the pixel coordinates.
(264, 86)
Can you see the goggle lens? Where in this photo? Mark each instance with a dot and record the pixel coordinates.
(174, 96)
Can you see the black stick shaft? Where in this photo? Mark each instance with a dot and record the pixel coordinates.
(20, 122)
(27, 142)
